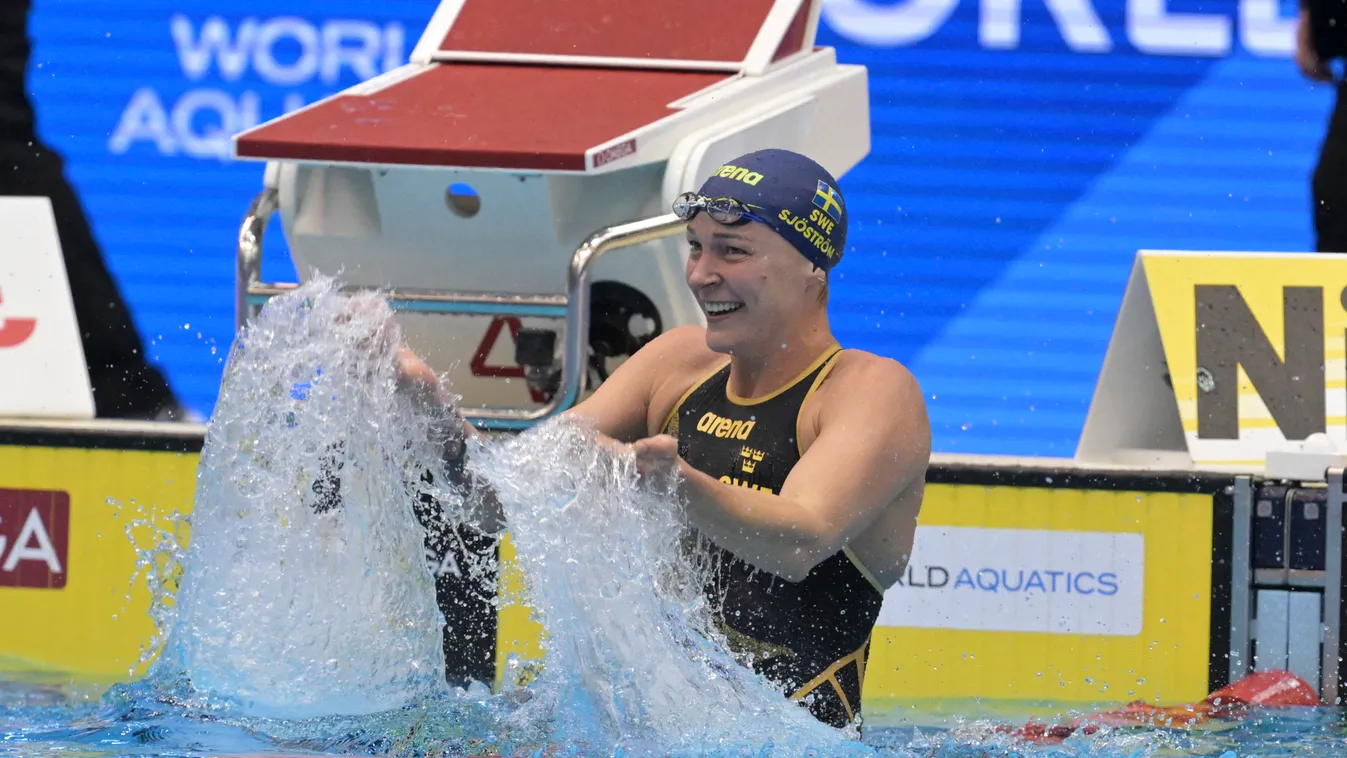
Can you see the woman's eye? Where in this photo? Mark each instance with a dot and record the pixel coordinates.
(735, 251)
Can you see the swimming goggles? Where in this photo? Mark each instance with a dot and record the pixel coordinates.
(725, 210)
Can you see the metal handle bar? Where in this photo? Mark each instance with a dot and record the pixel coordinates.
(252, 293)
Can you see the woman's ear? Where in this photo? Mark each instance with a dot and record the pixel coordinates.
(818, 280)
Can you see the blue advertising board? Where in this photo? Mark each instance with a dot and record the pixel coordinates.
(1023, 151)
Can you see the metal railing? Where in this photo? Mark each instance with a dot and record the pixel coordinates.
(252, 293)
(1294, 613)
(1332, 609)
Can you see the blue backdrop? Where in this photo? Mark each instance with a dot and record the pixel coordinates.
(1023, 151)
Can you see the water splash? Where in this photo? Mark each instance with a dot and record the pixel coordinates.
(304, 615)
(633, 663)
(298, 600)
(305, 598)
(161, 552)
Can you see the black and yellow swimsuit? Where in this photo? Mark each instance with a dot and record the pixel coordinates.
(810, 636)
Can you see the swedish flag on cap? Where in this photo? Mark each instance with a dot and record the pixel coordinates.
(790, 193)
(829, 200)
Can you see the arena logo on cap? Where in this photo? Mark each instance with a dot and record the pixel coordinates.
(751, 178)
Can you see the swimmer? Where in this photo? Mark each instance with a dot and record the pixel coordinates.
(802, 463)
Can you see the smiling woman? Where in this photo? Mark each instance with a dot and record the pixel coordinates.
(802, 463)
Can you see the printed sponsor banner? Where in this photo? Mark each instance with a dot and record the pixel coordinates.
(34, 538)
(71, 520)
(1021, 580)
(1145, 555)
(1044, 594)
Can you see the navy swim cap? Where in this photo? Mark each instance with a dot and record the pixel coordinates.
(793, 194)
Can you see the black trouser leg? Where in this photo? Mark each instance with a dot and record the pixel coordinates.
(123, 381)
(1330, 182)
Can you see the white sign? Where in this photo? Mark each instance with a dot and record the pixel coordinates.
(1021, 580)
(42, 368)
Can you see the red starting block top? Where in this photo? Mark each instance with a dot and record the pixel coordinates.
(479, 115)
(664, 33)
(547, 85)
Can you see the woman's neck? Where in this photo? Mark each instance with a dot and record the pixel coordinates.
(754, 375)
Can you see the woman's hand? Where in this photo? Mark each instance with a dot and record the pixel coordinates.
(418, 379)
(416, 375)
(656, 457)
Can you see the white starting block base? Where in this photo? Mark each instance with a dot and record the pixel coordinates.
(557, 138)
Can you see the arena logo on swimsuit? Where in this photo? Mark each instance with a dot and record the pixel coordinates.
(719, 426)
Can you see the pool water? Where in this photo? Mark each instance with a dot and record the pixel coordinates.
(41, 717)
(301, 619)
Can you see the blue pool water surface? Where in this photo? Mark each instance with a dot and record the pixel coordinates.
(46, 719)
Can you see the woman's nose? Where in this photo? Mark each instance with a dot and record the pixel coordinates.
(702, 272)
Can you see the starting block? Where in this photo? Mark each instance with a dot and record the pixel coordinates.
(482, 184)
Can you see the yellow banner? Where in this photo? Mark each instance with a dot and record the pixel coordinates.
(90, 618)
(1255, 347)
(93, 623)
(1151, 644)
